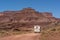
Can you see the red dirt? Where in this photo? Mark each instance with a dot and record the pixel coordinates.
(30, 36)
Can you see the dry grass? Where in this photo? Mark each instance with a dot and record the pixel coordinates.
(51, 34)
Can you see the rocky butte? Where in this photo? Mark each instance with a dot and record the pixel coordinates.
(26, 17)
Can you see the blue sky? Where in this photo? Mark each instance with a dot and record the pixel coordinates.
(39, 5)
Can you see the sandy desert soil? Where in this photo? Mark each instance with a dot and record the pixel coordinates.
(30, 36)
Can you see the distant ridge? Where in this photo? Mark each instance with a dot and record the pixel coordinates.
(28, 17)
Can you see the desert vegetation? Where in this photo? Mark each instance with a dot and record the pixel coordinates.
(51, 34)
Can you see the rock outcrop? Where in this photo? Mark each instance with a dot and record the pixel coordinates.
(26, 18)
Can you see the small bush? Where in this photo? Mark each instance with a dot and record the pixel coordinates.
(16, 30)
(53, 29)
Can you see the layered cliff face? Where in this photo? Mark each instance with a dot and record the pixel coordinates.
(26, 17)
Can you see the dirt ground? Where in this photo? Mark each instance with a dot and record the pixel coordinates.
(29, 36)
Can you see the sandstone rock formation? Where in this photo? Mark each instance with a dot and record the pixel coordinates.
(26, 17)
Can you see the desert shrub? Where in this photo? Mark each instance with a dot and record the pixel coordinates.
(53, 29)
(16, 30)
(9, 24)
(23, 24)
